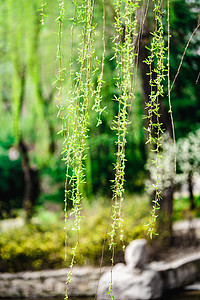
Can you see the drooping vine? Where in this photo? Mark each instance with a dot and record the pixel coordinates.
(60, 80)
(124, 45)
(75, 123)
(42, 13)
(97, 92)
(78, 118)
(157, 72)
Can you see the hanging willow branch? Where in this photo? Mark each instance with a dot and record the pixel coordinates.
(75, 115)
(97, 93)
(42, 13)
(78, 118)
(126, 26)
(155, 131)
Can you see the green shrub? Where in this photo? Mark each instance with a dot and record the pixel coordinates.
(31, 247)
(41, 245)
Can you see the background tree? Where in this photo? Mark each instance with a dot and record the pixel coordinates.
(27, 91)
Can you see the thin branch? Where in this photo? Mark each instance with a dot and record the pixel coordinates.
(169, 90)
(198, 24)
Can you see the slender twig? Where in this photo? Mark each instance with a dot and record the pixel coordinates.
(193, 33)
(169, 90)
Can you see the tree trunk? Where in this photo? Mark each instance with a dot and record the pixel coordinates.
(190, 187)
(165, 217)
(31, 179)
(31, 176)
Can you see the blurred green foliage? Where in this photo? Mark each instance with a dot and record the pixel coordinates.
(182, 208)
(40, 244)
(32, 247)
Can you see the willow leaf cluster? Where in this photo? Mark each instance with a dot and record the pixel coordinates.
(42, 11)
(157, 73)
(125, 56)
(75, 113)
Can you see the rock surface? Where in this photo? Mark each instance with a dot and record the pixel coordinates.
(137, 280)
(179, 273)
(130, 285)
(136, 254)
(134, 280)
(50, 283)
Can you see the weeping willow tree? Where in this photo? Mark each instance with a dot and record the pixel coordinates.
(86, 76)
(27, 92)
